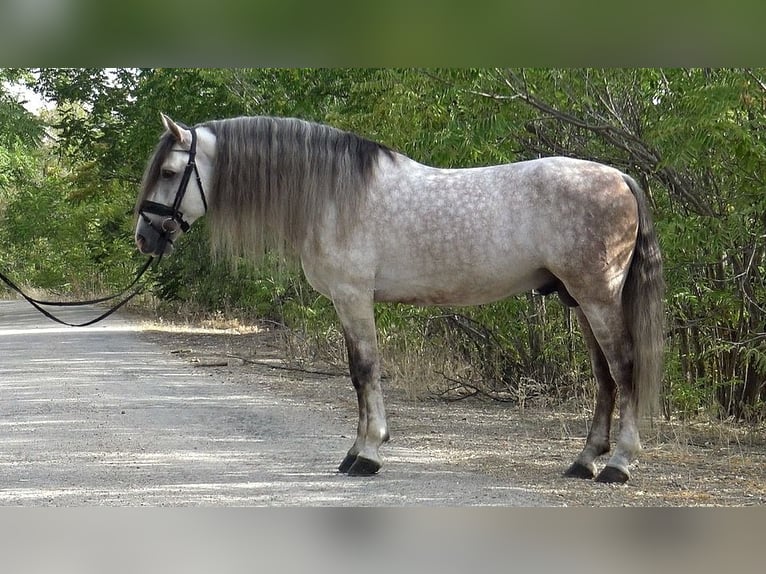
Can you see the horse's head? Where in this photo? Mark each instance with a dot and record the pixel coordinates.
(173, 189)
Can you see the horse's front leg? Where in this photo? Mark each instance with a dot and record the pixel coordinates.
(357, 317)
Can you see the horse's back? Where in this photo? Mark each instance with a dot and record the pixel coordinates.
(475, 235)
(498, 198)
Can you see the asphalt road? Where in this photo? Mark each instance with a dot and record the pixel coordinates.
(102, 416)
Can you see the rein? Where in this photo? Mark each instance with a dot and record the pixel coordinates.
(39, 304)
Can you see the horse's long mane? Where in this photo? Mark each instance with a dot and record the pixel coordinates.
(275, 178)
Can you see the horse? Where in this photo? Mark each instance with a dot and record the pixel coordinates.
(369, 224)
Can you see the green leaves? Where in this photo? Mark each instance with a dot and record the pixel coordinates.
(695, 138)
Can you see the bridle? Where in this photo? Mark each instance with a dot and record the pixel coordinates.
(174, 218)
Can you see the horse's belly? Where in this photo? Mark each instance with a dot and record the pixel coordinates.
(456, 289)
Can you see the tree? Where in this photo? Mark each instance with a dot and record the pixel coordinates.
(693, 138)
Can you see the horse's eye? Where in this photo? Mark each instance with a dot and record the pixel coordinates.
(167, 174)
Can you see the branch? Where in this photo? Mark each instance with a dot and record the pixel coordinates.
(621, 137)
(286, 368)
(451, 84)
(473, 388)
(755, 78)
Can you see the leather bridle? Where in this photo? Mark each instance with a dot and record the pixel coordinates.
(173, 217)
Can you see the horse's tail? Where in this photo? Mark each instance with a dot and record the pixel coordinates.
(643, 303)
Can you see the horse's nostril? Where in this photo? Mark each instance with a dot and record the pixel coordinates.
(140, 243)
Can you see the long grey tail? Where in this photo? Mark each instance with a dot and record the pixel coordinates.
(643, 303)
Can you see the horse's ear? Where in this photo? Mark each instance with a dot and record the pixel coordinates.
(182, 135)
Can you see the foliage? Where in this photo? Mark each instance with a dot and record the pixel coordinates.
(694, 138)
(20, 134)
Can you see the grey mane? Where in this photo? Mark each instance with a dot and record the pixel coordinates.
(274, 179)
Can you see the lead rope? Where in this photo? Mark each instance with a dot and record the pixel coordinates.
(38, 304)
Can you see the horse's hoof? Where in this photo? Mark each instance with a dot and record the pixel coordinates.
(364, 467)
(347, 463)
(579, 470)
(611, 474)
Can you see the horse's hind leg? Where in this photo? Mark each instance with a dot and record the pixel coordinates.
(357, 317)
(597, 442)
(607, 324)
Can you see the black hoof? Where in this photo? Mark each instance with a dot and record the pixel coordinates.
(347, 463)
(611, 474)
(363, 467)
(579, 470)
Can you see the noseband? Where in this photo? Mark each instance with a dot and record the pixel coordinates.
(174, 219)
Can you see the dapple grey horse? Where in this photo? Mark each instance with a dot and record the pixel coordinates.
(369, 224)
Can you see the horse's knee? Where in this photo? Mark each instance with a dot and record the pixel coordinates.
(362, 365)
(361, 372)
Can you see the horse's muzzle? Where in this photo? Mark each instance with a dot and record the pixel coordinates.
(158, 245)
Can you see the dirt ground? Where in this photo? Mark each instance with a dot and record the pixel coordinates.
(699, 463)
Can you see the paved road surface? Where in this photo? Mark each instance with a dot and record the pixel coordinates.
(101, 416)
